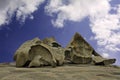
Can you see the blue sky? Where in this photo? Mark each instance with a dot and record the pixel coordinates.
(98, 21)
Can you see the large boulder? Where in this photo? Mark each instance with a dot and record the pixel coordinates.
(21, 56)
(40, 55)
(36, 53)
(55, 49)
(81, 52)
(58, 54)
(43, 55)
(78, 50)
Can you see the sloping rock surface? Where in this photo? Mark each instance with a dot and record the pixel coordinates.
(8, 71)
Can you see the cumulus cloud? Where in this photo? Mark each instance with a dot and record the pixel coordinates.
(105, 55)
(75, 10)
(20, 8)
(104, 25)
(107, 31)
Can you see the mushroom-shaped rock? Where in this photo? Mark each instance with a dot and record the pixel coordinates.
(47, 55)
(21, 55)
(41, 55)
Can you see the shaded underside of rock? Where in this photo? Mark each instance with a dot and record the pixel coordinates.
(98, 60)
(81, 60)
(40, 56)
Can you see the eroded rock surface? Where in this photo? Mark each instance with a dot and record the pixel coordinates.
(21, 55)
(48, 52)
(37, 53)
(79, 51)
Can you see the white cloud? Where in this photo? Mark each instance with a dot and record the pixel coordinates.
(75, 10)
(107, 31)
(105, 55)
(23, 9)
(104, 25)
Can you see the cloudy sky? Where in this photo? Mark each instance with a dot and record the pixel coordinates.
(98, 21)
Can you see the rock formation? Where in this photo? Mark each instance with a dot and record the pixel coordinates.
(21, 56)
(79, 51)
(36, 53)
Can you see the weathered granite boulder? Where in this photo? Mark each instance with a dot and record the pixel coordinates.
(36, 53)
(40, 55)
(47, 55)
(51, 42)
(21, 55)
(80, 51)
(58, 54)
(55, 49)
